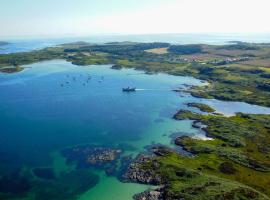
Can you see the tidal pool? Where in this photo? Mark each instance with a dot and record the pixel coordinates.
(53, 105)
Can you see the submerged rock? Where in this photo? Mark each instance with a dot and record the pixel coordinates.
(159, 120)
(117, 67)
(44, 173)
(14, 183)
(89, 155)
(161, 150)
(69, 185)
(103, 154)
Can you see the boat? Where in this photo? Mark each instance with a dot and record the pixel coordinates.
(129, 89)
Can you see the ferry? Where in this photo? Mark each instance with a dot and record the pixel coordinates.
(129, 89)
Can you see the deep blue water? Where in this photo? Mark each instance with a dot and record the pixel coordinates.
(38, 114)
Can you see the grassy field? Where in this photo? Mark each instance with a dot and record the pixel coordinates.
(158, 50)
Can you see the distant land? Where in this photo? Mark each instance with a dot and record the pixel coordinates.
(2, 43)
(236, 72)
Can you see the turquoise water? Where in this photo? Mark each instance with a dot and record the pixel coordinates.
(53, 105)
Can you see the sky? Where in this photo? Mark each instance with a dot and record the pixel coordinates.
(90, 17)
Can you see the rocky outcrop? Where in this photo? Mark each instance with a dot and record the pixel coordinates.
(150, 195)
(161, 150)
(137, 173)
(180, 140)
(199, 125)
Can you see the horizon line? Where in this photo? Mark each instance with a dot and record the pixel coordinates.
(70, 36)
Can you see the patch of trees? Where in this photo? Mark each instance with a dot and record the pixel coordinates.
(239, 46)
(70, 50)
(185, 49)
(264, 86)
(205, 70)
(247, 70)
(28, 57)
(265, 75)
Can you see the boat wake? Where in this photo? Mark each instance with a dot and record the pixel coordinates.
(142, 89)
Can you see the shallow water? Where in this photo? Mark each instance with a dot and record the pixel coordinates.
(53, 105)
(111, 188)
(230, 108)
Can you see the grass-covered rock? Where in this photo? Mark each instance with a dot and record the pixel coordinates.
(202, 107)
(198, 178)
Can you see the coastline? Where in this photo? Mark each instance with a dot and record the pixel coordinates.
(149, 168)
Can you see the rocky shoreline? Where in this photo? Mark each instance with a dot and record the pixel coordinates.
(156, 194)
(201, 175)
(136, 172)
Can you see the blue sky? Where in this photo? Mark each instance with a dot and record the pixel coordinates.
(61, 8)
(85, 17)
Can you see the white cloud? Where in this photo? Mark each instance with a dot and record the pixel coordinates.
(179, 16)
(187, 16)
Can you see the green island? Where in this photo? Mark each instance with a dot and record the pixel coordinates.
(235, 162)
(202, 107)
